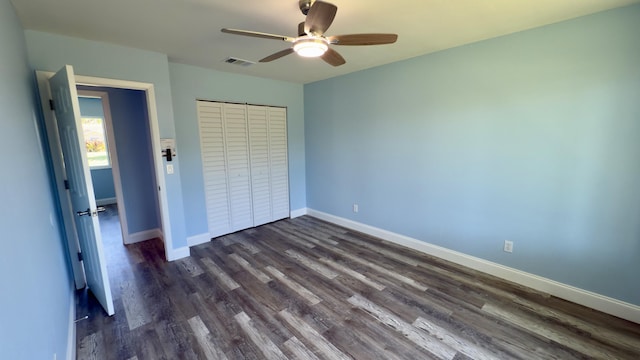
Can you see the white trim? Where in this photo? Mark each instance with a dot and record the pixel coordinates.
(143, 236)
(593, 300)
(298, 212)
(198, 239)
(106, 201)
(71, 334)
(179, 253)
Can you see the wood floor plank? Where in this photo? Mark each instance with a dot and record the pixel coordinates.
(352, 273)
(305, 235)
(556, 335)
(388, 272)
(269, 349)
(190, 266)
(289, 236)
(455, 342)
(425, 341)
(221, 275)
(306, 289)
(246, 244)
(91, 347)
(218, 314)
(308, 332)
(311, 264)
(175, 340)
(249, 268)
(149, 347)
(203, 336)
(298, 350)
(301, 290)
(134, 308)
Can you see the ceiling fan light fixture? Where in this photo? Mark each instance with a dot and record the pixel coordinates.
(310, 47)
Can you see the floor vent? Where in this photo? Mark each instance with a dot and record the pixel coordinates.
(236, 61)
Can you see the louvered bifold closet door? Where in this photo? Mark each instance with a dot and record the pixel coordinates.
(211, 122)
(278, 163)
(239, 172)
(260, 169)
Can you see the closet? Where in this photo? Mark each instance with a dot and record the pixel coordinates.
(244, 163)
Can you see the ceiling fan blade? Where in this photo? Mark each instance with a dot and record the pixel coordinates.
(332, 57)
(258, 34)
(319, 18)
(363, 39)
(277, 55)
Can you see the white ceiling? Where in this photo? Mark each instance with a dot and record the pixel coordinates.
(188, 31)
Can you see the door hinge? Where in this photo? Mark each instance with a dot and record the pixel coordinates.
(51, 104)
(80, 256)
(66, 184)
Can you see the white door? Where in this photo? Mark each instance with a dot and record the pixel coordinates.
(238, 171)
(260, 170)
(278, 163)
(214, 168)
(67, 113)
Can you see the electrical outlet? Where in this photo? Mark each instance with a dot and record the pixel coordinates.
(355, 208)
(169, 169)
(508, 246)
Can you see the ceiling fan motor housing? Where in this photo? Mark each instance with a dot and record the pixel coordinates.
(305, 5)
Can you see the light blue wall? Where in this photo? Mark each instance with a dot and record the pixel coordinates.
(91, 58)
(532, 137)
(90, 107)
(190, 83)
(103, 186)
(35, 277)
(102, 178)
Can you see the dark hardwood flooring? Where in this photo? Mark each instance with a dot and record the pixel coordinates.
(306, 289)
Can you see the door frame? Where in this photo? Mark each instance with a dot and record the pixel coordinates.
(58, 165)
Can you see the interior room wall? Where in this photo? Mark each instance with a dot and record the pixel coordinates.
(51, 52)
(189, 83)
(35, 277)
(531, 137)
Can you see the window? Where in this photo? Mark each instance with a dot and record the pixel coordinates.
(95, 139)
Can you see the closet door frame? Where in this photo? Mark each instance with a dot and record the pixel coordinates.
(234, 152)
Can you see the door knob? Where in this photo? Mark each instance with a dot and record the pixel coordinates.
(91, 213)
(83, 213)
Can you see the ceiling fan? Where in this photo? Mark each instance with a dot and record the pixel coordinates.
(311, 41)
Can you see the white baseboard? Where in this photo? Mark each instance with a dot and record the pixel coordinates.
(198, 239)
(71, 334)
(106, 201)
(298, 212)
(143, 235)
(176, 254)
(593, 300)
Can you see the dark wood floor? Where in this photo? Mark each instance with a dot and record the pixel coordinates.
(306, 289)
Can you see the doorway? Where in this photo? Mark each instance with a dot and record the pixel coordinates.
(119, 151)
(154, 160)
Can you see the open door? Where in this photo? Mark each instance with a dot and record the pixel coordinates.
(83, 203)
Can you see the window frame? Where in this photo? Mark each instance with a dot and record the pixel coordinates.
(104, 133)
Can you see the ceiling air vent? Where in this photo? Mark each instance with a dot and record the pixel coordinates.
(236, 61)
